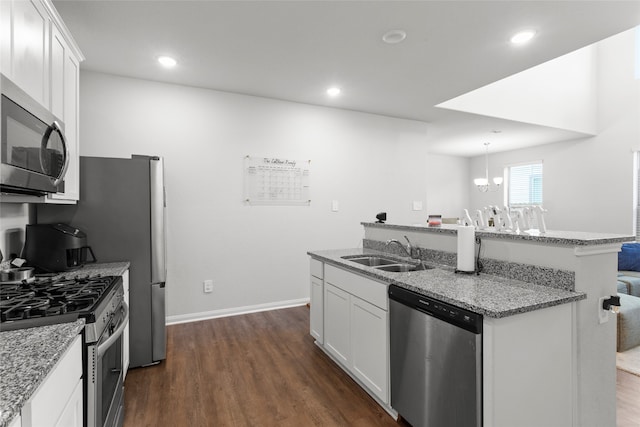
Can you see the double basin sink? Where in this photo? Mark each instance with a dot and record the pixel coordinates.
(386, 264)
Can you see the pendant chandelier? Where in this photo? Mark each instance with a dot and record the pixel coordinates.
(483, 183)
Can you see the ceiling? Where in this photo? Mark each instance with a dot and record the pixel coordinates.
(295, 50)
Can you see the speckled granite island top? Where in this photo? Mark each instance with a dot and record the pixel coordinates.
(26, 357)
(551, 237)
(491, 296)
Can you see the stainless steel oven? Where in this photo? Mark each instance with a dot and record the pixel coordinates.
(34, 155)
(99, 300)
(104, 364)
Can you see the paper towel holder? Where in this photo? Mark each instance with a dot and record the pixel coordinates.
(477, 264)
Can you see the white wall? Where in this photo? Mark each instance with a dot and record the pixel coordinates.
(257, 254)
(560, 93)
(588, 182)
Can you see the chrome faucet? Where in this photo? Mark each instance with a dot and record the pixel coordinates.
(410, 250)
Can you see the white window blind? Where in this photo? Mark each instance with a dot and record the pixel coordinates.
(525, 185)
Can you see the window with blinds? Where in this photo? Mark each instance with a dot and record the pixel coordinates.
(524, 185)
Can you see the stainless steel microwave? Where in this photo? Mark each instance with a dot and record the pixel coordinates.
(34, 154)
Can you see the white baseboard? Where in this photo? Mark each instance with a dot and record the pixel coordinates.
(226, 312)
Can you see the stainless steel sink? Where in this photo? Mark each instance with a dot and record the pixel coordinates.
(385, 264)
(403, 268)
(372, 261)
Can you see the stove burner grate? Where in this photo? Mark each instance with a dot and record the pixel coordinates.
(49, 297)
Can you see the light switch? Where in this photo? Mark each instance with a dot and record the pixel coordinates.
(417, 205)
(334, 206)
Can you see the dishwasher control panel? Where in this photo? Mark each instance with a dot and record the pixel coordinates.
(457, 315)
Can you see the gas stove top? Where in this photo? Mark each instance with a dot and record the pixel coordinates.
(52, 300)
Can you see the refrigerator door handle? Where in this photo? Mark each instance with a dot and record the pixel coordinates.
(158, 322)
(158, 249)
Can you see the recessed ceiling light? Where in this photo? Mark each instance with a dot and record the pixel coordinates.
(523, 37)
(167, 61)
(333, 91)
(394, 36)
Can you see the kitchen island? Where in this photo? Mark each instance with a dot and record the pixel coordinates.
(489, 295)
(29, 356)
(544, 348)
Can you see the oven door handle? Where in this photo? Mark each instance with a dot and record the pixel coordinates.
(102, 348)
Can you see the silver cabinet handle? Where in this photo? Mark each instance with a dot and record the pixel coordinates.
(102, 348)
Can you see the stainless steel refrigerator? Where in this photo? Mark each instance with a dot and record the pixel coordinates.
(122, 210)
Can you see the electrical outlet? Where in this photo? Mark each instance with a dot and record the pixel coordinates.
(417, 205)
(334, 206)
(603, 315)
(207, 286)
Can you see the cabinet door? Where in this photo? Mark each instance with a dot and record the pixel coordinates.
(69, 89)
(72, 414)
(50, 400)
(29, 58)
(17, 421)
(370, 353)
(316, 318)
(57, 56)
(6, 39)
(337, 339)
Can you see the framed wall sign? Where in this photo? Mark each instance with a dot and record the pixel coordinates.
(276, 181)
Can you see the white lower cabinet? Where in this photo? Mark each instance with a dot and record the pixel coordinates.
(369, 346)
(58, 400)
(16, 422)
(337, 334)
(316, 317)
(72, 414)
(356, 328)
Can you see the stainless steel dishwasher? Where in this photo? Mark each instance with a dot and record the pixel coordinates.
(436, 361)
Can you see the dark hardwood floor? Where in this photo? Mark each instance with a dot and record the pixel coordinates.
(263, 369)
(260, 369)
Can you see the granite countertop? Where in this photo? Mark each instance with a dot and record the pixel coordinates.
(28, 355)
(491, 296)
(553, 237)
(98, 269)
(26, 358)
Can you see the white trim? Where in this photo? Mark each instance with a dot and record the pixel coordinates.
(597, 249)
(575, 372)
(57, 20)
(227, 312)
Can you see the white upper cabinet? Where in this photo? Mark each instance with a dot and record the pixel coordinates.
(29, 48)
(65, 76)
(38, 53)
(57, 55)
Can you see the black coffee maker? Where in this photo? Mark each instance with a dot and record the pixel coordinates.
(56, 248)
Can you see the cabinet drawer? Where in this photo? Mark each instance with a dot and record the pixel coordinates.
(317, 268)
(364, 288)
